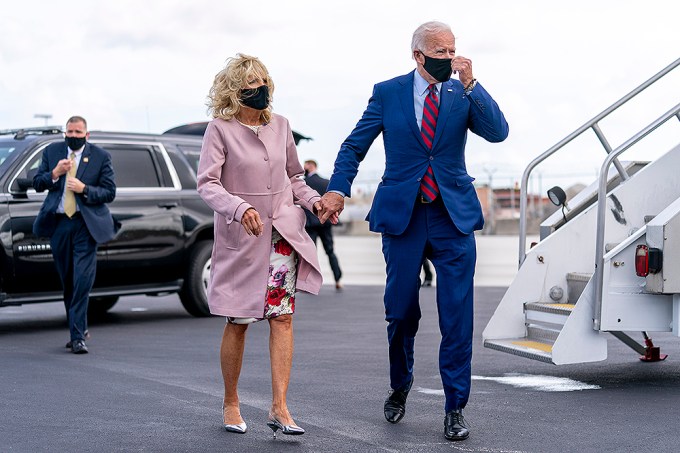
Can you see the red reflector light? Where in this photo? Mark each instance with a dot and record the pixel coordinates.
(642, 261)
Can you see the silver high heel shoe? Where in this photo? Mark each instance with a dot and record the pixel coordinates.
(291, 430)
(239, 428)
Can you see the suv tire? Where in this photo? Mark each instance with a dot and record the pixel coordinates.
(98, 306)
(194, 292)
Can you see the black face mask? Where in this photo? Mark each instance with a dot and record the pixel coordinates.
(439, 68)
(75, 143)
(256, 98)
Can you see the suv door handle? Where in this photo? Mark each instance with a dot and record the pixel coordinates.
(168, 205)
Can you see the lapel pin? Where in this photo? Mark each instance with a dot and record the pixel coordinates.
(449, 89)
(86, 159)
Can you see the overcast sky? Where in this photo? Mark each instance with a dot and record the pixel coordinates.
(147, 66)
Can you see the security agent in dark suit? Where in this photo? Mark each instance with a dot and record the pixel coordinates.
(317, 229)
(74, 215)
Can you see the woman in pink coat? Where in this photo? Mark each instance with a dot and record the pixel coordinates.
(250, 175)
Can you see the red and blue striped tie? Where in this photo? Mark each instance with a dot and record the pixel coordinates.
(428, 186)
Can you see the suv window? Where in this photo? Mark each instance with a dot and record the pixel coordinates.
(187, 177)
(5, 151)
(8, 150)
(192, 153)
(28, 171)
(134, 165)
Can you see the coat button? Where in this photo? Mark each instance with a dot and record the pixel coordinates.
(270, 216)
(269, 186)
(431, 158)
(266, 158)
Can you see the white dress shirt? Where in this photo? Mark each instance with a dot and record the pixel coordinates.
(79, 153)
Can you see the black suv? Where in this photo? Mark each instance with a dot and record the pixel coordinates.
(166, 235)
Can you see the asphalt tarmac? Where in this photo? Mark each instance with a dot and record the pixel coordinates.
(152, 383)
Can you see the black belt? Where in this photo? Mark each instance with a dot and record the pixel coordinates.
(61, 215)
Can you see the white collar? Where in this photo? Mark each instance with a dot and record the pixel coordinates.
(421, 84)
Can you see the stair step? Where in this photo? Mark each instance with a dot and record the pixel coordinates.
(579, 276)
(576, 283)
(552, 314)
(523, 347)
(558, 309)
(542, 333)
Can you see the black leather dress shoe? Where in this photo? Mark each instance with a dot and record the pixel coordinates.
(455, 427)
(87, 337)
(395, 404)
(78, 347)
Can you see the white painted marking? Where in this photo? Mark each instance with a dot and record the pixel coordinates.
(139, 309)
(481, 449)
(429, 391)
(539, 382)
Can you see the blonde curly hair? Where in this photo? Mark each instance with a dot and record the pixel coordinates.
(224, 96)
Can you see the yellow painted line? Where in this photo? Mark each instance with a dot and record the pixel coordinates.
(534, 345)
(565, 306)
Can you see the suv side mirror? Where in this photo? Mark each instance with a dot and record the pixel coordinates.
(25, 184)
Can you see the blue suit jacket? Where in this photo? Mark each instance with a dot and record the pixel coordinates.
(391, 111)
(96, 172)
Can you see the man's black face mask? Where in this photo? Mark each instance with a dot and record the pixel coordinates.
(439, 68)
(75, 143)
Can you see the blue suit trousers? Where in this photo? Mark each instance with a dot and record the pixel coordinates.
(432, 234)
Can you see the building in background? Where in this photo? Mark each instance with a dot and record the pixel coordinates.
(500, 206)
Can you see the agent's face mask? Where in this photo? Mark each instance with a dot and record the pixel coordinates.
(75, 143)
(255, 98)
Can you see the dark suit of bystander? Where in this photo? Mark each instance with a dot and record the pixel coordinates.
(316, 229)
(79, 179)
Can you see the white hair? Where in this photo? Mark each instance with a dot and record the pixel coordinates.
(422, 32)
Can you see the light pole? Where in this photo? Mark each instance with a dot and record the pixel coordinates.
(45, 116)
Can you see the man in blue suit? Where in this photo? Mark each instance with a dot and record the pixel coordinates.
(425, 207)
(74, 215)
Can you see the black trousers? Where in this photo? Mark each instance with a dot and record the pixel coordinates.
(427, 269)
(326, 235)
(75, 256)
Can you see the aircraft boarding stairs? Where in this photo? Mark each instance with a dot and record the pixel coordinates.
(586, 276)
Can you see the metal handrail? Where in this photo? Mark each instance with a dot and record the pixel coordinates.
(592, 124)
(602, 205)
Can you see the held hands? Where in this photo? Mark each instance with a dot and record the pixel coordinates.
(463, 67)
(251, 222)
(318, 210)
(331, 205)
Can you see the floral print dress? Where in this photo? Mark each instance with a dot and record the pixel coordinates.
(280, 297)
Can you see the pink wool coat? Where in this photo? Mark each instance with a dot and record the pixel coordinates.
(239, 170)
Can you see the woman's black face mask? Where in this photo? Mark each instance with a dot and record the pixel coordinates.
(255, 98)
